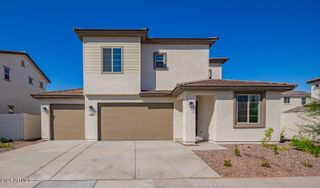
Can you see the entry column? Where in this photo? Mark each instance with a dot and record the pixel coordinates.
(189, 118)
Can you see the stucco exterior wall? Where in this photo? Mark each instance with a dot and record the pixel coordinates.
(224, 117)
(184, 62)
(291, 122)
(17, 91)
(96, 82)
(205, 116)
(19, 126)
(32, 126)
(45, 114)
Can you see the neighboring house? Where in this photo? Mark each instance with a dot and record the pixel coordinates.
(142, 88)
(294, 114)
(19, 78)
(315, 88)
(19, 112)
(292, 99)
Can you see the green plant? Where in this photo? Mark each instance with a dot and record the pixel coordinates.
(275, 149)
(305, 144)
(4, 140)
(313, 114)
(307, 164)
(227, 163)
(4, 145)
(282, 135)
(267, 137)
(237, 151)
(265, 164)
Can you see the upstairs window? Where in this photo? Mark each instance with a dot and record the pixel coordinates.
(6, 71)
(317, 86)
(30, 80)
(159, 61)
(23, 64)
(286, 100)
(112, 60)
(41, 85)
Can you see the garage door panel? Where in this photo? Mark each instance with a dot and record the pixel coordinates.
(68, 122)
(143, 121)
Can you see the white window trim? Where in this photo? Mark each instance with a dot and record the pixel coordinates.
(248, 110)
(122, 53)
(164, 60)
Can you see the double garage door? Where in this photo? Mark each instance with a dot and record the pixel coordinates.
(116, 121)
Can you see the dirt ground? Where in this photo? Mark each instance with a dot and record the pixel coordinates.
(289, 162)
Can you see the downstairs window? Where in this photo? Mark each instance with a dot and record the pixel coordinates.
(249, 111)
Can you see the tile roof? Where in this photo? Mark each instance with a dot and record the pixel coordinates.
(69, 93)
(295, 94)
(195, 85)
(313, 80)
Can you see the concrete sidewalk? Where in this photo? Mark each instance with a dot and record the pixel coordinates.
(283, 182)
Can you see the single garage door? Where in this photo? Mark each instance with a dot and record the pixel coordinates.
(67, 121)
(139, 121)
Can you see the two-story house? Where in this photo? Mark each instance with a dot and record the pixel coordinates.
(20, 77)
(141, 88)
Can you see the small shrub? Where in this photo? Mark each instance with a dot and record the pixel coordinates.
(306, 145)
(265, 164)
(227, 163)
(237, 151)
(307, 164)
(275, 149)
(267, 137)
(4, 145)
(5, 140)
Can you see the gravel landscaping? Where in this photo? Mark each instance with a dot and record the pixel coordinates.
(289, 162)
(19, 144)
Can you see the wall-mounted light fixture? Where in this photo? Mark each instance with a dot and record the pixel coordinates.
(45, 109)
(91, 109)
(191, 105)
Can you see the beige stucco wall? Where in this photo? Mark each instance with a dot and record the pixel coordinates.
(45, 115)
(96, 82)
(20, 126)
(32, 126)
(17, 91)
(224, 117)
(205, 116)
(184, 62)
(291, 122)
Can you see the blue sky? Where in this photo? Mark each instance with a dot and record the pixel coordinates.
(274, 40)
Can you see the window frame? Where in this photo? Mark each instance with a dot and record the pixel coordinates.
(164, 61)
(122, 58)
(30, 78)
(261, 113)
(4, 73)
(41, 85)
(23, 64)
(286, 101)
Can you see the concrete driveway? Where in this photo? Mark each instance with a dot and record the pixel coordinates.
(103, 160)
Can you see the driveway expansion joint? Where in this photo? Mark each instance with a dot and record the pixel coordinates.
(72, 159)
(56, 157)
